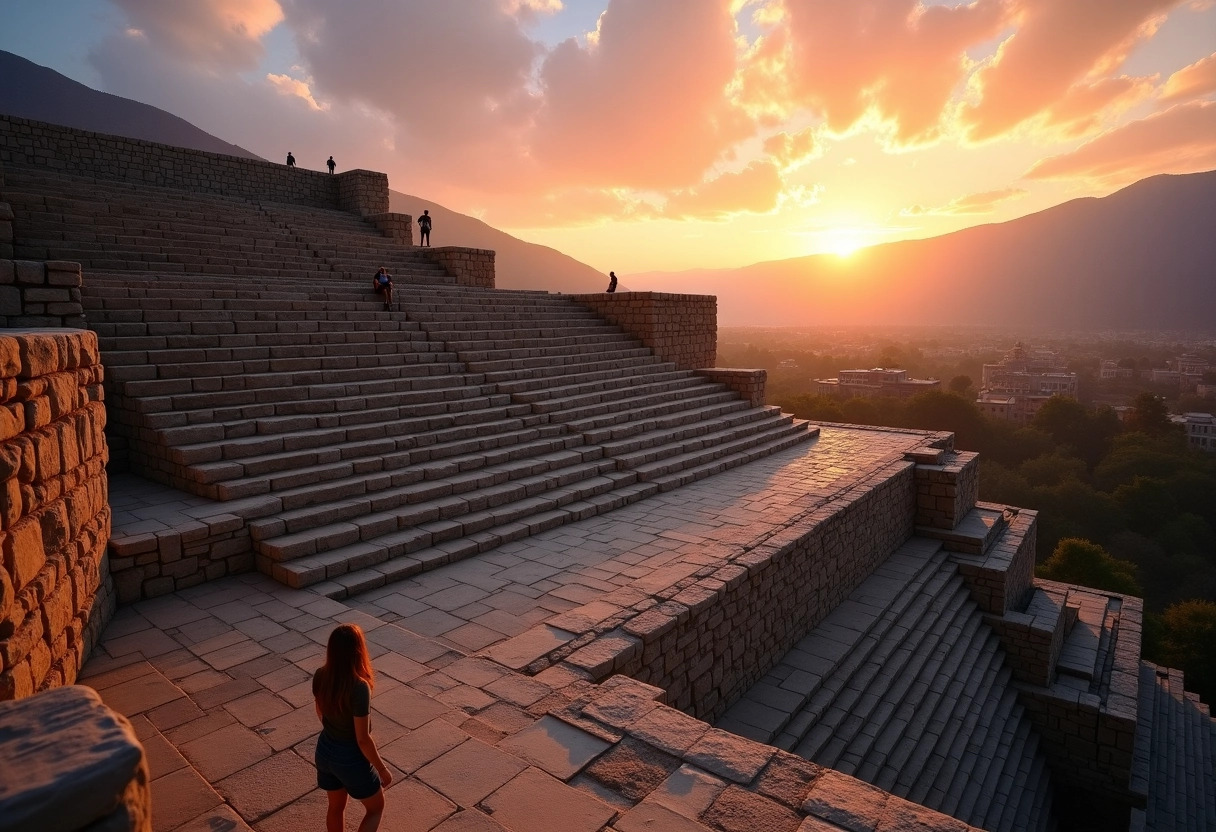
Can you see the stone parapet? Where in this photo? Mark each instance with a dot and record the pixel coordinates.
(397, 227)
(1088, 730)
(26, 143)
(55, 592)
(947, 490)
(1000, 577)
(682, 329)
(6, 229)
(749, 384)
(470, 266)
(1032, 638)
(36, 294)
(68, 762)
(363, 192)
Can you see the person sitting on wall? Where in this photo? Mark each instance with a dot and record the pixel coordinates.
(382, 284)
(291, 160)
(611, 283)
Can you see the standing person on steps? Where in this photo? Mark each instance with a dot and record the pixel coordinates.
(348, 763)
(424, 229)
(332, 164)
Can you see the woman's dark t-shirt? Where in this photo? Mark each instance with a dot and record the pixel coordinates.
(341, 726)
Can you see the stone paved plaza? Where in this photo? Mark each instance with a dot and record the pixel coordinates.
(475, 603)
(216, 681)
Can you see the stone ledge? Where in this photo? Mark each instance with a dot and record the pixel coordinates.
(68, 762)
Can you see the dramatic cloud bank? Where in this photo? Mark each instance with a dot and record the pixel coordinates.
(677, 109)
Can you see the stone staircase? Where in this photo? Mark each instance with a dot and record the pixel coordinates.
(111, 227)
(248, 362)
(1175, 755)
(904, 686)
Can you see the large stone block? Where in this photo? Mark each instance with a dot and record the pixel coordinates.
(68, 762)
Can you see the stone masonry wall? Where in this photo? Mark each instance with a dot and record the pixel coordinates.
(749, 384)
(470, 266)
(6, 227)
(682, 329)
(704, 635)
(25, 143)
(37, 293)
(55, 591)
(947, 491)
(397, 227)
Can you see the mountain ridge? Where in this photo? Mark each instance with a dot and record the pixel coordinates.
(1141, 257)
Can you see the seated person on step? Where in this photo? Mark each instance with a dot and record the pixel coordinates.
(382, 283)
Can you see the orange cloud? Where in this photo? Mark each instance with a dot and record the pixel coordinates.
(644, 103)
(1192, 81)
(1056, 46)
(1085, 105)
(899, 58)
(791, 151)
(220, 34)
(981, 203)
(755, 189)
(1180, 140)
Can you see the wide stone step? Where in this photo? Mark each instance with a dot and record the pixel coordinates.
(572, 384)
(732, 460)
(401, 521)
(450, 460)
(637, 389)
(634, 443)
(627, 408)
(718, 440)
(517, 378)
(413, 442)
(364, 566)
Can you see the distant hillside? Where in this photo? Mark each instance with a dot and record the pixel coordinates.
(32, 91)
(517, 264)
(1142, 258)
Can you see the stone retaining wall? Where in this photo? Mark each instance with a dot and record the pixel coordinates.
(749, 384)
(397, 227)
(470, 266)
(55, 590)
(948, 490)
(26, 143)
(6, 227)
(682, 329)
(706, 634)
(40, 293)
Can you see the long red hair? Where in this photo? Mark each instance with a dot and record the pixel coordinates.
(346, 659)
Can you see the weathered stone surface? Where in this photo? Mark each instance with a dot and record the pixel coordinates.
(66, 761)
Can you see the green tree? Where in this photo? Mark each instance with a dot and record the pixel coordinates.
(935, 410)
(960, 384)
(1149, 415)
(1053, 469)
(1189, 643)
(817, 408)
(1078, 561)
(1146, 504)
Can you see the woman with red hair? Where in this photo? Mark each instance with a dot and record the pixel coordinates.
(347, 760)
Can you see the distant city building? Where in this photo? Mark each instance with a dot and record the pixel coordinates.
(1200, 430)
(1112, 370)
(879, 381)
(1015, 388)
(1207, 391)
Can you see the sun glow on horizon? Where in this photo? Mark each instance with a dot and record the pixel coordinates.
(844, 242)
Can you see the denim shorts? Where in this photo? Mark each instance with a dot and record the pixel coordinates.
(341, 765)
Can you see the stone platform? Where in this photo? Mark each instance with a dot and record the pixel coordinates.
(216, 681)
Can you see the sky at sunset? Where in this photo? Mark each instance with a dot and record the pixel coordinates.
(647, 135)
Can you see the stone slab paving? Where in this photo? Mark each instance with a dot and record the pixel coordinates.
(227, 722)
(476, 603)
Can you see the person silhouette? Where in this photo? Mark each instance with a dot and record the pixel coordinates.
(291, 160)
(611, 283)
(332, 164)
(424, 229)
